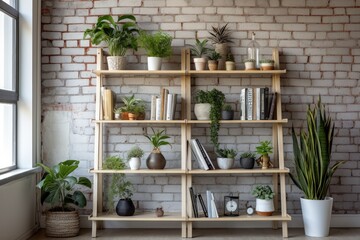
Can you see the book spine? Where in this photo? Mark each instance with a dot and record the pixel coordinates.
(193, 201)
(199, 155)
(242, 104)
(257, 103)
(205, 155)
(153, 108)
(169, 104)
(158, 109)
(249, 104)
(173, 108)
(272, 107)
(266, 103)
(213, 207)
(108, 104)
(208, 203)
(202, 205)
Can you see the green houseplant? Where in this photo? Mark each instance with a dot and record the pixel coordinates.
(134, 156)
(119, 187)
(157, 46)
(220, 37)
(213, 57)
(118, 35)
(250, 64)
(267, 64)
(313, 172)
(247, 160)
(133, 108)
(226, 157)
(264, 200)
(227, 112)
(264, 149)
(199, 50)
(59, 190)
(230, 62)
(156, 160)
(208, 106)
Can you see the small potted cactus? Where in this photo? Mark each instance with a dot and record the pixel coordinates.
(250, 64)
(266, 64)
(213, 60)
(230, 62)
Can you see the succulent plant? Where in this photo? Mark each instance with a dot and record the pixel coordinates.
(199, 48)
(214, 55)
(266, 61)
(220, 34)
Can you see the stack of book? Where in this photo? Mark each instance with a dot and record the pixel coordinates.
(210, 211)
(107, 103)
(199, 153)
(163, 106)
(257, 104)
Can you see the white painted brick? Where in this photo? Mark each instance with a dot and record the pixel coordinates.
(82, 12)
(299, 11)
(254, 11)
(170, 26)
(245, 3)
(335, 19)
(319, 27)
(193, 26)
(321, 11)
(51, 35)
(50, 67)
(285, 19)
(99, 11)
(72, 51)
(145, 11)
(342, 3)
(291, 3)
(72, 36)
(304, 35)
(72, 67)
(60, 59)
(317, 3)
(212, 10)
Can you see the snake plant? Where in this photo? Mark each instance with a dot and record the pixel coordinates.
(312, 154)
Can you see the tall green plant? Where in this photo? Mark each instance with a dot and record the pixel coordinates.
(157, 44)
(312, 154)
(58, 188)
(118, 35)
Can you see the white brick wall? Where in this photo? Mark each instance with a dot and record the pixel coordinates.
(319, 42)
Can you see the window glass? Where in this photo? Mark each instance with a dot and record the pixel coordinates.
(11, 2)
(7, 135)
(7, 52)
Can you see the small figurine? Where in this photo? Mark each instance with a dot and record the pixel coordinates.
(264, 162)
(159, 212)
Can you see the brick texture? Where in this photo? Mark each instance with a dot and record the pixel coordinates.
(319, 45)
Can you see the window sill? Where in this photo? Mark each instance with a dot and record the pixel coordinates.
(17, 174)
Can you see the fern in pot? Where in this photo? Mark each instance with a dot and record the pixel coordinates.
(157, 46)
(156, 159)
(313, 172)
(119, 36)
(60, 191)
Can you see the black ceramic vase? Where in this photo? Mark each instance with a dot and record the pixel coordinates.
(125, 207)
(247, 163)
(156, 161)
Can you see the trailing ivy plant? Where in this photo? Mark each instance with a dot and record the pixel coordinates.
(216, 99)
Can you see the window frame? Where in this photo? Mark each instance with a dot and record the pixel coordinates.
(8, 96)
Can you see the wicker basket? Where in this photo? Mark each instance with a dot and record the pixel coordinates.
(62, 224)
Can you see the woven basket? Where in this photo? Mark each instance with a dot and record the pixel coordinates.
(62, 224)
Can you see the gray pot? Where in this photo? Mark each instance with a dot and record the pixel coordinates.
(247, 163)
(227, 115)
(156, 161)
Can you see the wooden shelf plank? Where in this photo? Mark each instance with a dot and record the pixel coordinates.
(141, 121)
(145, 216)
(255, 217)
(240, 121)
(239, 171)
(139, 72)
(141, 171)
(236, 72)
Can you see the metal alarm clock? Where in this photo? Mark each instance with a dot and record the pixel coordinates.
(231, 205)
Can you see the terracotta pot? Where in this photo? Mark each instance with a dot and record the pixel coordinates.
(213, 65)
(266, 66)
(132, 116)
(124, 116)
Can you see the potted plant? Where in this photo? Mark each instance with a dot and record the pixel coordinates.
(266, 64)
(117, 112)
(216, 100)
(156, 160)
(119, 188)
(157, 46)
(227, 113)
(134, 156)
(199, 50)
(230, 62)
(250, 64)
(220, 36)
(264, 200)
(264, 149)
(313, 173)
(118, 35)
(213, 60)
(247, 160)
(59, 189)
(226, 157)
(129, 110)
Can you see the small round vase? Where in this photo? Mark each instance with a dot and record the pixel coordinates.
(225, 163)
(156, 161)
(125, 207)
(247, 163)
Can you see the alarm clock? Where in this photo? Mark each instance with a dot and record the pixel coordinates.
(249, 209)
(231, 206)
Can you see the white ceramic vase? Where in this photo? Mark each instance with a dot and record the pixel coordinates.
(200, 63)
(264, 207)
(225, 163)
(316, 216)
(154, 63)
(134, 163)
(116, 62)
(250, 66)
(202, 111)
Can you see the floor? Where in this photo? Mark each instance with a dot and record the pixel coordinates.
(223, 234)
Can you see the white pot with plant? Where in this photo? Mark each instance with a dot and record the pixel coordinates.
(157, 46)
(230, 62)
(266, 64)
(313, 173)
(264, 200)
(199, 50)
(220, 36)
(213, 60)
(118, 35)
(59, 190)
(134, 156)
(250, 64)
(226, 158)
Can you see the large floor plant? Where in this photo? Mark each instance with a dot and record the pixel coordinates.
(313, 172)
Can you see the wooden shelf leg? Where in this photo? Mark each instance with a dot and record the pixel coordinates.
(284, 229)
(94, 228)
(189, 229)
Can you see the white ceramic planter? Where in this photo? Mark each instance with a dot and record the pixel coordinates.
(200, 64)
(250, 66)
(264, 207)
(316, 216)
(154, 63)
(134, 163)
(202, 111)
(116, 62)
(230, 65)
(225, 163)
